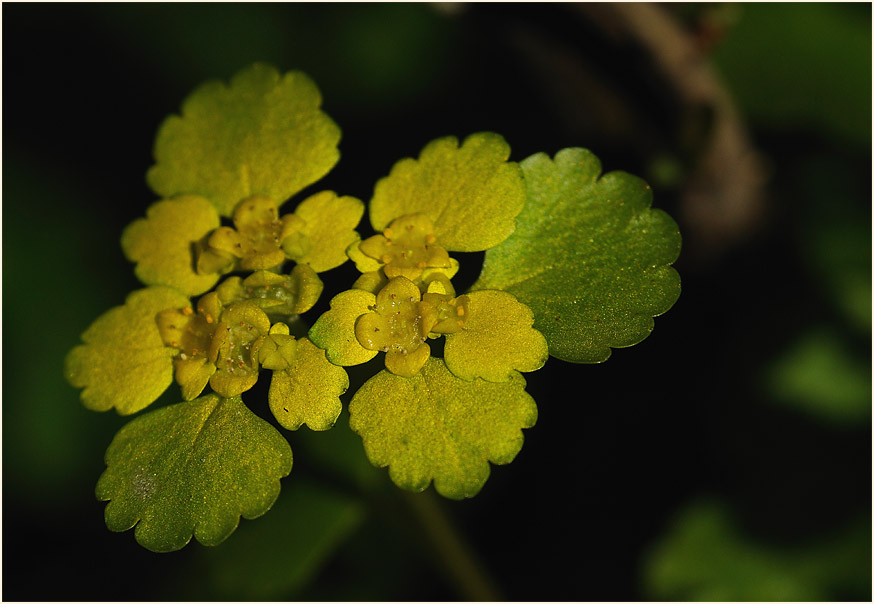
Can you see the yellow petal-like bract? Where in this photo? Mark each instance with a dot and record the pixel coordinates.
(471, 193)
(334, 331)
(496, 340)
(436, 426)
(329, 228)
(162, 243)
(308, 391)
(124, 362)
(264, 134)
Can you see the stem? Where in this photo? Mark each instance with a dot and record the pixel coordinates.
(461, 564)
(725, 197)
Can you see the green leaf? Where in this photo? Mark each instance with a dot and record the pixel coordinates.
(308, 391)
(192, 469)
(124, 362)
(329, 230)
(438, 426)
(589, 256)
(497, 339)
(706, 557)
(472, 193)
(265, 134)
(274, 558)
(334, 331)
(162, 243)
(821, 376)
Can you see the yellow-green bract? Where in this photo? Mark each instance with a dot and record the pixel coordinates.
(262, 135)
(436, 426)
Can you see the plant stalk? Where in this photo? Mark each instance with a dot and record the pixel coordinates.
(461, 564)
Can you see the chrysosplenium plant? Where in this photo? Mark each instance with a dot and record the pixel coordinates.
(575, 263)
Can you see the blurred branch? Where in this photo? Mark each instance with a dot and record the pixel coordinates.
(466, 572)
(723, 199)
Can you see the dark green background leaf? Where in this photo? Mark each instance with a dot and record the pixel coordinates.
(819, 375)
(707, 557)
(824, 59)
(279, 553)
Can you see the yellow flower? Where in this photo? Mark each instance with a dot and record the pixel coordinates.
(407, 247)
(280, 296)
(216, 345)
(399, 325)
(256, 242)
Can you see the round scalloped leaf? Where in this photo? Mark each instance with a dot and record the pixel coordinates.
(162, 243)
(329, 229)
(497, 339)
(192, 469)
(124, 362)
(589, 256)
(308, 391)
(436, 426)
(334, 331)
(265, 134)
(472, 193)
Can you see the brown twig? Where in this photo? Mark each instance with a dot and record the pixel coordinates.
(724, 198)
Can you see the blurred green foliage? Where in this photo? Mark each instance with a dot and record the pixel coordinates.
(801, 64)
(87, 100)
(57, 441)
(707, 558)
(819, 375)
(364, 57)
(797, 67)
(274, 557)
(834, 236)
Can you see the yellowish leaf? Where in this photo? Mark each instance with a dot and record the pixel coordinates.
(496, 340)
(124, 362)
(471, 193)
(329, 229)
(192, 469)
(334, 331)
(308, 391)
(162, 244)
(264, 134)
(436, 426)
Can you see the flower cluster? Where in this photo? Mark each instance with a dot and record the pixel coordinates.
(231, 246)
(405, 295)
(181, 248)
(228, 275)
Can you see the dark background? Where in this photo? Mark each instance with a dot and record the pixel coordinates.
(751, 397)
